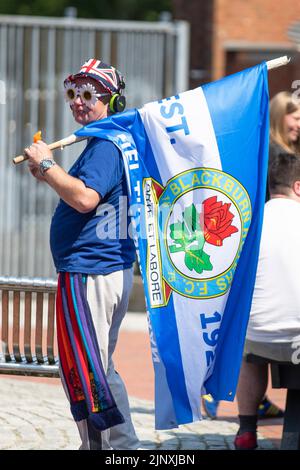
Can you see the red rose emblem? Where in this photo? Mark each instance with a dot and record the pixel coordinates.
(216, 220)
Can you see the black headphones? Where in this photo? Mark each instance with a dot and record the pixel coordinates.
(117, 102)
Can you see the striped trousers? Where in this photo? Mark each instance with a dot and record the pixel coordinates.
(108, 297)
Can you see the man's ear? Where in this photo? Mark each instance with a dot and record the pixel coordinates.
(296, 188)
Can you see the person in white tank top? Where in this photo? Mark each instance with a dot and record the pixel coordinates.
(274, 323)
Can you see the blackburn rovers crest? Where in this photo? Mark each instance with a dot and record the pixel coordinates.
(197, 226)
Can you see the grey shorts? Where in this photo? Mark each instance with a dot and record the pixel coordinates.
(282, 352)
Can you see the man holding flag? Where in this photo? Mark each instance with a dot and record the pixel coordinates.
(196, 167)
(95, 268)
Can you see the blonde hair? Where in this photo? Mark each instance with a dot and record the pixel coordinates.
(280, 105)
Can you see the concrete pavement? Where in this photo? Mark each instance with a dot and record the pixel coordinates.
(34, 413)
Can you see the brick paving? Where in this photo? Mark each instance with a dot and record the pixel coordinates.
(34, 413)
(133, 361)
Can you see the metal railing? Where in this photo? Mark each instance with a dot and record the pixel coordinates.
(27, 327)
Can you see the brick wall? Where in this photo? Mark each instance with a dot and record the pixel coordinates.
(217, 22)
(256, 21)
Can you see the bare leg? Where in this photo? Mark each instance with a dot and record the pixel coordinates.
(252, 387)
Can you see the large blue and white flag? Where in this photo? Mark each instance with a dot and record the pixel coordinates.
(196, 165)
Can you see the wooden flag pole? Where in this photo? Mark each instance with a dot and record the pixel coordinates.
(273, 64)
(60, 144)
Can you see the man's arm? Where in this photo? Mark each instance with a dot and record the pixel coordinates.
(72, 190)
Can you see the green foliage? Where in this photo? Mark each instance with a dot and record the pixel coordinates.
(34, 7)
(110, 9)
(188, 237)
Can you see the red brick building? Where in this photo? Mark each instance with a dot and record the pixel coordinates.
(230, 35)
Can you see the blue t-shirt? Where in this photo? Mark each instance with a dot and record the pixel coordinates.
(96, 242)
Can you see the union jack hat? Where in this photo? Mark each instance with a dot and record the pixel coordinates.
(108, 76)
